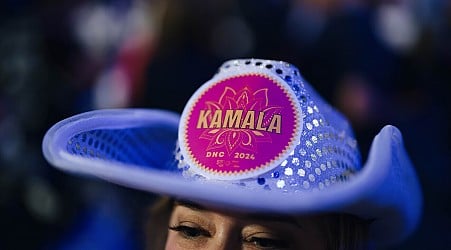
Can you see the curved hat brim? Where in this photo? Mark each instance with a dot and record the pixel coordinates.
(385, 191)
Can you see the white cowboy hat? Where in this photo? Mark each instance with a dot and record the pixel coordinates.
(256, 137)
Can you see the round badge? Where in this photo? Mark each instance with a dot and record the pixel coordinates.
(240, 126)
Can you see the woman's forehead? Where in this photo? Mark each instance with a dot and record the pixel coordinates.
(186, 207)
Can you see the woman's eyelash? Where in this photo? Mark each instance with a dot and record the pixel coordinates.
(190, 232)
(267, 243)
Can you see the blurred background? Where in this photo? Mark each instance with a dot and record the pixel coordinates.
(378, 61)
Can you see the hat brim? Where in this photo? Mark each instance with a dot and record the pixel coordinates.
(385, 191)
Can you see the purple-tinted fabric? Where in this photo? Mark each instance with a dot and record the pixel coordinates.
(386, 190)
(321, 172)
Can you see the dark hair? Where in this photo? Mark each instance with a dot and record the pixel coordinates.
(342, 231)
(156, 226)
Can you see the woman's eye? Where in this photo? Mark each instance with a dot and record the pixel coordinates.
(267, 243)
(190, 232)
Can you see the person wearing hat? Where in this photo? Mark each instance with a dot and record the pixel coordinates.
(257, 160)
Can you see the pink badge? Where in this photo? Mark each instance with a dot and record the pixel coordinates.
(240, 126)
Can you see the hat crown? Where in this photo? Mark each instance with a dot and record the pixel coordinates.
(324, 151)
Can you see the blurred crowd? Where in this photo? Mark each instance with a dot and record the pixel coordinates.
(378, 61)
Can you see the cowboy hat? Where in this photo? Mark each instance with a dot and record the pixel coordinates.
(256, 137)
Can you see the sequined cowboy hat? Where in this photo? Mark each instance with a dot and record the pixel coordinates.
(256, 137)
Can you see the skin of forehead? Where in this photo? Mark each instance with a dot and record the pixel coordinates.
(236, 213)
(306, 222)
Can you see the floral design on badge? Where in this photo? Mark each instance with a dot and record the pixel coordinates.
(243, 127)
(240, 126)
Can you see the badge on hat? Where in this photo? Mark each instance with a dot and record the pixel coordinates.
(240, 125)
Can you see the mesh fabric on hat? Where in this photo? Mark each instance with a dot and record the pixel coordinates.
(140, 146)
(326, 152)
